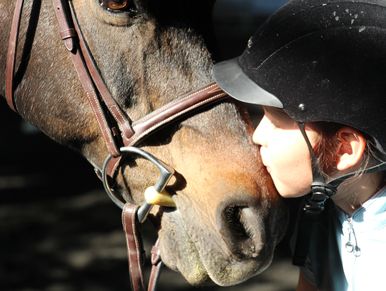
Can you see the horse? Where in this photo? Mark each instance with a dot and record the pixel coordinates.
(228, 217)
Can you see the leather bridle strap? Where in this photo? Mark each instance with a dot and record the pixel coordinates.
(174, 110)
(123, 121)
(135, 251)
(130, 133)
(67, 32)
(156, 263)
(11, 54)
(96, 90)
(134, 245)
(167, 114)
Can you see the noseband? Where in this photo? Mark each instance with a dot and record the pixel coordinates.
(119, 132)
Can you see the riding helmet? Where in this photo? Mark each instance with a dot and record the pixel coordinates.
(319, 60)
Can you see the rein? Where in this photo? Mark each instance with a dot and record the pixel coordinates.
(119, 132)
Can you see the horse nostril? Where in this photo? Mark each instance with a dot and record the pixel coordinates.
(241, 230)
(232, 216)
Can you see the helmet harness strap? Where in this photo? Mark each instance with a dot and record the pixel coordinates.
(314, 203)
(320, 190)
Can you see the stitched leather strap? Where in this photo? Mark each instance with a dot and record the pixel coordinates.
(134, 246)
(123, 121)
(136, 252)
(168, 114)
(174, 110)
(97, 91)
(156, 266)
(66, 26)
(11, 54)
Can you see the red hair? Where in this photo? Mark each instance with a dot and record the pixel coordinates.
(326, 147)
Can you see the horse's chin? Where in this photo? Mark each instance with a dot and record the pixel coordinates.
(179, 253)
(204, 259)
(238, 271)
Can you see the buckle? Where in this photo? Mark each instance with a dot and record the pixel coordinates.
(320, 192)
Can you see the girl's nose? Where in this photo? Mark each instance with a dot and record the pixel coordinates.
(260, 134)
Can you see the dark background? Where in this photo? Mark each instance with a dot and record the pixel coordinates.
(59, 230)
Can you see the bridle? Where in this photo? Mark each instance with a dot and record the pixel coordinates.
(120, 133)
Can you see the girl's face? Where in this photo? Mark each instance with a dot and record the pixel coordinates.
(284, 152)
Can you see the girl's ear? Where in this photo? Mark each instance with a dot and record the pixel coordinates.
(351, 146)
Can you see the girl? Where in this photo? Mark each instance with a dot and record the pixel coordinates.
(318, 69)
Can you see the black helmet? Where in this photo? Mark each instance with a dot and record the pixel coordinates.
(319, 60)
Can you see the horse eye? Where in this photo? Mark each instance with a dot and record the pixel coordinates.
(116, 5)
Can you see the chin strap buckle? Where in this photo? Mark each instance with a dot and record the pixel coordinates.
(315, 201)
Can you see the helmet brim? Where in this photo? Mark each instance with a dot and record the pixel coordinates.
(232, 79)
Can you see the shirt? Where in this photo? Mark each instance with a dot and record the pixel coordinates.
(362, 244)
(349, 252)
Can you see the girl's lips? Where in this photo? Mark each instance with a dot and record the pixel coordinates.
(263, 161)
(265, 165)
(262, 155)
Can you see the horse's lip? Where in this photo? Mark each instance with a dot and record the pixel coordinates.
(242, 231)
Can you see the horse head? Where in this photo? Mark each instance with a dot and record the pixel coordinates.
(228, 216)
